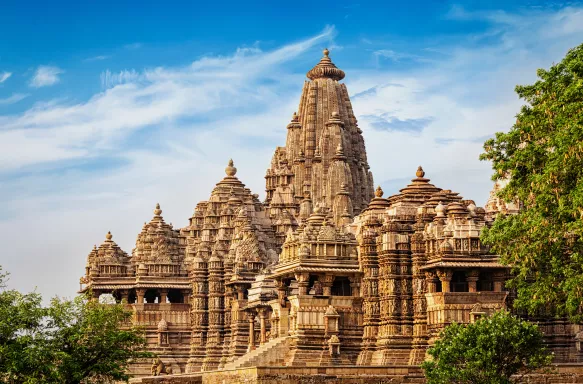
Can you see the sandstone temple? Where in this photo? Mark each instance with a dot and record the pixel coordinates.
(327, 271)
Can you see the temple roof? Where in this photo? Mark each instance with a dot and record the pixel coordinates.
(157, 242)
(325, 69)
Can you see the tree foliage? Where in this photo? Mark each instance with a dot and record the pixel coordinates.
(70, 341)
(543, 156)
(489, 351)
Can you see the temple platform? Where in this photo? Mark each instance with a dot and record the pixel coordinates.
(402, 374)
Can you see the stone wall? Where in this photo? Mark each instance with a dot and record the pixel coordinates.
(564, 374)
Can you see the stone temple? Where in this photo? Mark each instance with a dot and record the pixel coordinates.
(326, 272)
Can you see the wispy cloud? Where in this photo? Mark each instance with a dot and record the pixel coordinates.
(97, 58)
(106, 161)
(15, 98)
(4, 76)
(45, 76)
(386, 122)
(133, 46)
(395, 56)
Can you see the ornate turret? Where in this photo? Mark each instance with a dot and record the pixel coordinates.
(108, 260)
(157, 251)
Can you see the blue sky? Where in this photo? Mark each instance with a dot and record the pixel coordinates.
(108, 108)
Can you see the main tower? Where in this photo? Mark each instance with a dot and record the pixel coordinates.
(323, 163)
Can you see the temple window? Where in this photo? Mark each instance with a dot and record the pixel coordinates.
(175, 296)
(152, 296)
(313, 286)
(459, 283)
(132, 297)
(341, 286)
(485, 282)
(438, 286)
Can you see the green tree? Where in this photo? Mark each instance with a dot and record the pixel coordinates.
(489, 351)
(23, 358)
(70, 341)
(543, 157)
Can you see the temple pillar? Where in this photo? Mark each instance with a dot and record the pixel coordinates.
(326, 281)
(251, 332)
(472, 278)
(163, 296)
(354, 286)
(303, 280)
(262, 324)
(185, 296)
(445, 278)
(431, 283)
(140, 293)
(499, 278)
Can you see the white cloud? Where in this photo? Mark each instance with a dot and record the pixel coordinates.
(15, 98)
(4, 76)
(121, 151)
(439, 115)
(45, 76)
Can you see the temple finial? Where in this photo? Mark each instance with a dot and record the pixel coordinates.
(108, 236)
(231, 170)
(157, 211)
(420, 173)
(326, 69)
(379, 192)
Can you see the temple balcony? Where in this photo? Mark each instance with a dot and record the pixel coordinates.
(444, 308)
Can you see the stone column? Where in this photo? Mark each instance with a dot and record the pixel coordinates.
(140, 295)
(185, 296)
(445, 278)
(251, 332)
(499, 277)
(240, 293)
(262, 315)
(163, 296)
(303, 282)
(326, 282)
(281, 292)
(472, 278)
(354, 286)
(430, 280)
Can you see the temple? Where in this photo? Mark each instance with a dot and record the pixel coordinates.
(326, 271)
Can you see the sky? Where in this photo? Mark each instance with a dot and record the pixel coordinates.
(107, 108)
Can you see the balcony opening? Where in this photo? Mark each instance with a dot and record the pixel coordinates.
(459, 283)
(175, 296)
(485, 282)
(132, 297)
(341, 286)
(438, 286)
(152, 296)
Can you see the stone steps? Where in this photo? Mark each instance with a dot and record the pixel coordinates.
(271, 353)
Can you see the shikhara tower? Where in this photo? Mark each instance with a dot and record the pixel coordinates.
(323, 272)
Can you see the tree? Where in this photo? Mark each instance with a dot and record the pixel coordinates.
(22, 353)
(489, 351)
(543, 157)
(70, 341)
